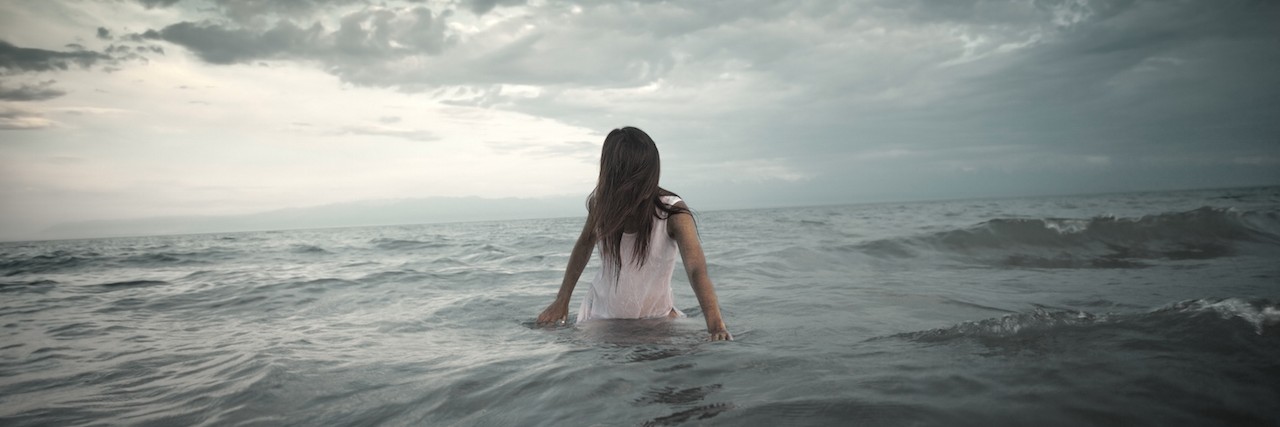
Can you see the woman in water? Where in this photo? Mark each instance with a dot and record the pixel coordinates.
(638, 227)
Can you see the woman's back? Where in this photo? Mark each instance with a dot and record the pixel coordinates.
(637, 291)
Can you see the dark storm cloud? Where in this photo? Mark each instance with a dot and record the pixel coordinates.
(157, 3)
(219, 45)
(258, 11)
(14, 59)
(30, 92)
(362, 36)
(1142, 76)
(481, 7)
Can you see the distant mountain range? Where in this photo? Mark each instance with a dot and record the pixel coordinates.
(380, 212)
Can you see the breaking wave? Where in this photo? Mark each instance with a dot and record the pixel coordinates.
(1099, 242)
(1191, 319)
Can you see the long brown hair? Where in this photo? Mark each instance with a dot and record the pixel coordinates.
(627, 197)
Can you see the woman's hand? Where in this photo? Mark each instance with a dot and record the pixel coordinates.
(721, 335)
(555, 314)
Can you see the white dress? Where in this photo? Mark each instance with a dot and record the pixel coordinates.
(638, 292)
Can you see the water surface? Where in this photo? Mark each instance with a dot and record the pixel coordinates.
(1127, 309)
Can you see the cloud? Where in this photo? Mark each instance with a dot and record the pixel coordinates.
(157, 3)
(216, 44)
(480, 7)
(30, 92)
(12, 118)
(369, 35)
(395, 132)
(104, 33)
(581, 150)
(14, 59)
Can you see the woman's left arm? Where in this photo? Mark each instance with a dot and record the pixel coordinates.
(685, 233)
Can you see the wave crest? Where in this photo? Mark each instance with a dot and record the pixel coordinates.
(1199, 316)
(1099, 242)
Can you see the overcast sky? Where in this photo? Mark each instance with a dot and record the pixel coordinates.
(128, 109)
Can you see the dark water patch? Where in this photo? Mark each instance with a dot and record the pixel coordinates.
(56, 261)
(692, 414)
(169, 259)
(37, 286)
(200, 274)
(1100, 303)
(1065, 260)
(122, 304)
(480, 258)
(652, 354)
(308, 249)
(675, 367)
(395, 276)
(133, 284)
(152, 259)
(315, 285)
(839, 411)
(236, 302)
(464, 307)
(76, 330)
(961, 303)
(407, 245)
(676, 396)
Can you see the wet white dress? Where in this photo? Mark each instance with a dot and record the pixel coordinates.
(638, 292)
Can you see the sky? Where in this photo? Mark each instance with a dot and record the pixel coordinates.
(120, 110)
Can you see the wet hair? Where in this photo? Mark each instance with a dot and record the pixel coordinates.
(627, 197)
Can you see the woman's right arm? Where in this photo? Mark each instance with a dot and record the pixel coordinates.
(558, 311)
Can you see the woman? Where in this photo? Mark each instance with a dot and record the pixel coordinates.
(638, 227)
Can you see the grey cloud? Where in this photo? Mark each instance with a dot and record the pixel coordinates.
(104, 33)
(256, 12)
(412, 49)
(30, 92)
(20, 59)
(12, 118)
(157, 3)
(220, 45)
(1151, 77)
(362, 36)
(15, 59)
(481, 7)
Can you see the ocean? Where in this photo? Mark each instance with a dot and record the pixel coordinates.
(1158, 308)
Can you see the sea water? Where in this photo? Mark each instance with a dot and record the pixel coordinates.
(1122, 309)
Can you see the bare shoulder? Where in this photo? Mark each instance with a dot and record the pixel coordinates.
(680, 222)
